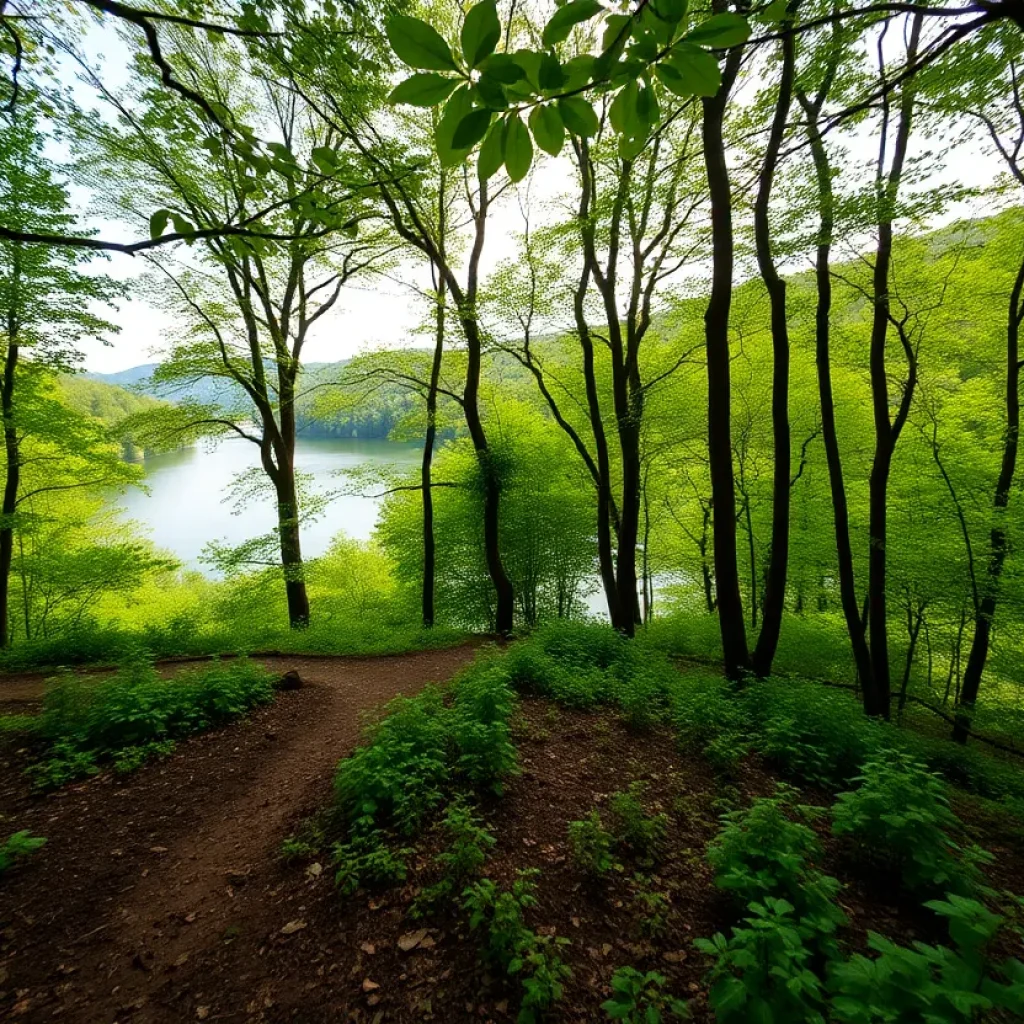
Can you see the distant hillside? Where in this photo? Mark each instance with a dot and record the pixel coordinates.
(106, 402)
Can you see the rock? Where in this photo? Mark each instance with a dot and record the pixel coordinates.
(291, 680)
(411, 940)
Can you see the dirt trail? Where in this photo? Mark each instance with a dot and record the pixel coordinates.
(141, 875)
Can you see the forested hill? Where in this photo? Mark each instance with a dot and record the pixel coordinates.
(105, 401)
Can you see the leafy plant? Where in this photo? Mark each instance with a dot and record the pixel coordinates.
(763, 971)
(761, 853)
(901, 812)
(924, 984)
(18, 847)
(641, 831)
(470, 843)
(129, 759)
(654, 908)
(590, 845)
(367, 861)
(639, 998)
(482, 709)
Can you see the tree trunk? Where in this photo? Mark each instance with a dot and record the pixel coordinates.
(426, 466)
(997, 538)
(778, 562)
(12, 482)
(291, 547)
(830, 437)
(716, 330)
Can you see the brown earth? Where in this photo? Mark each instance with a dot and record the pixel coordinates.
(141, 874)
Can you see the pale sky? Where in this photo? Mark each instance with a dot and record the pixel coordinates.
(374, 312)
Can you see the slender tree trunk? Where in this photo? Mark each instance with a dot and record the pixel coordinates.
(426, 465)
(997, 538)
(913, 631)
(778, 562)
(12, 480)
(291, 548)
(830, 437)
(716, 330)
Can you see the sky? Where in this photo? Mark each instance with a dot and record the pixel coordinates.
(377, 311)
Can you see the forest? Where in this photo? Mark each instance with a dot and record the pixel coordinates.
(678, 672)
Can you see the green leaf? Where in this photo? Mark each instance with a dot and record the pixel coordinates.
(578, 116)
(419, 45)
(548, 129)
(720, 30)
(614, 26)
(480, 32)
(325, 158)
(158, 223)
(491, 93)
(623, 113)
(457, 107)
(672, 11)
(551, 75)
(518, 148)
(423, 89)
(181, 225)
(471, 129)
(565, 18)
(492, 152)
(503, 68)
(697, 70)
(775, 12)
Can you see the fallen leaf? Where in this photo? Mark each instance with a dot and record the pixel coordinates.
(411, 940)
(575, 922)
(202, 1012)
(315, 870)
(292, 927)
(675, 957)
(427, 943)
(189, 918)
(158, 849)
(370, 986)
(368, 947)
(373, 999)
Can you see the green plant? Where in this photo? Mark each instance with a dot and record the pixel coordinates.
(763, 971)
(129, 759)
(590, 845)
(926, 984)
(469, 844)
(512, 946)
(900, 811)
(296, 848)
(654, 907)
(481, 710)
(642, 832)
(64, 764)
(18, 723)
(762, 853)
(366, 861)
(641, 999)
(18, 847)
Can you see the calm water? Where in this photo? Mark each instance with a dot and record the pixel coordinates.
(190, 501)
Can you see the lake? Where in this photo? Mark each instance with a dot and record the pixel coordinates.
(190, 501)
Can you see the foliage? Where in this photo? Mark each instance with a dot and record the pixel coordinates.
(640, 999)
(763, 971)
(18, 847)
(368, 861)
(590, 845)
(926, 984)
(135, 714)
(900, 812)
(643, 832)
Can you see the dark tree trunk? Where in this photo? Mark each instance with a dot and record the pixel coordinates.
(426, 482)
(981, 641)
(778, 561)
(12, 481)
(716, 322)
(913, 632)
(830, 437)
(291, 548)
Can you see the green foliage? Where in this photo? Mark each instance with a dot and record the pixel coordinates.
(482, 709)
(900, 812)
(469, 844)
(135, 715)
(654, 907)
(763, 971)
(510, 945)
(590, 845)
(18, 847)
(762, 854)
(644, 833)
(369, 861)
(639, 998)
(925, 984)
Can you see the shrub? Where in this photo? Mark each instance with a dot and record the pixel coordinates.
(366, 861)
(590, 845)
(482, 709)
(762, 972)
(926, 984)
(706, 713)
(18, 847)
(641, 999)
(654, 908)
(469, 844)
(761, 853)
(642, 832)
(901, 812)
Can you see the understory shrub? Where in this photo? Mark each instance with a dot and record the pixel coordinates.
(641, 999)
(900, 813)
(424, 752)
(635, 827)
(18, 847)
(590, 845)
(135, 714)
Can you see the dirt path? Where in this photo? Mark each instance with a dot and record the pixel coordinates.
(141, 875)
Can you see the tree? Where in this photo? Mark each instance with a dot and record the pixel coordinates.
(44, 302)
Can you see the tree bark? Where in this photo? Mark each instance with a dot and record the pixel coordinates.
(982, 639)
(426, 466)
(778, 561)
(716, 330)
(12, 481)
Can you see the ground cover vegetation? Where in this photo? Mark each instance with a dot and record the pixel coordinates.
(740, 378)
